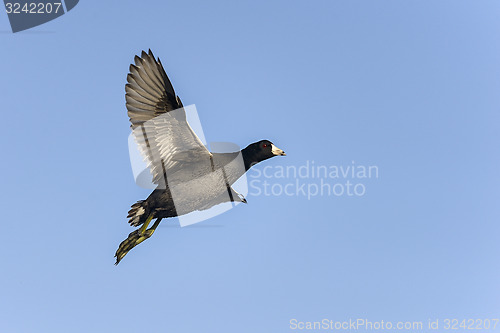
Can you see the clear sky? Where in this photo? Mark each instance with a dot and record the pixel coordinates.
(410, 87)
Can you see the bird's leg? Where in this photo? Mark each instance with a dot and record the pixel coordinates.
(148, 233)
(135, 238)
(144, 226)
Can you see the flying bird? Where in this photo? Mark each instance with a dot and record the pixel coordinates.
(188, 177)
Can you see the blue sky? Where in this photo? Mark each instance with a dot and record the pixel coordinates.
(408, 86)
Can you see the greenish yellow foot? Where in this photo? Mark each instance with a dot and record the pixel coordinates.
(135, 238)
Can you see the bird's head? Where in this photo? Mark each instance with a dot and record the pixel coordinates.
(260, 151)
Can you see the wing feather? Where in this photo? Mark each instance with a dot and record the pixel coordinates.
(166, 141)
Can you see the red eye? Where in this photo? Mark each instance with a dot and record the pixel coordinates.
(264, 145)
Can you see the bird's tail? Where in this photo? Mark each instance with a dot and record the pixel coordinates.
(138, 213)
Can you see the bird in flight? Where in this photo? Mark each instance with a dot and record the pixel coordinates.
(188, 177)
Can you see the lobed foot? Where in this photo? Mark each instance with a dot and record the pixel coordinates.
(134, 238)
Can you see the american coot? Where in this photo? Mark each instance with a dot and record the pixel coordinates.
(187, 175)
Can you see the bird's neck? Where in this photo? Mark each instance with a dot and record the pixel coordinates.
(250, 158)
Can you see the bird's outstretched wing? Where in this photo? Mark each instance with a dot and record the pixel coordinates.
(158, 120)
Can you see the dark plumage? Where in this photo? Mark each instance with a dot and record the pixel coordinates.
(187, 175)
